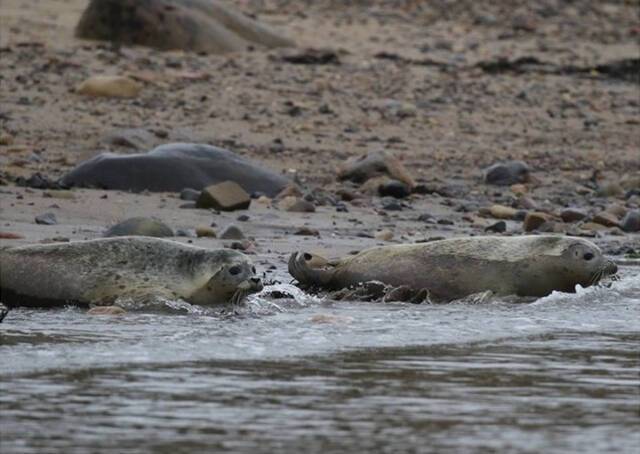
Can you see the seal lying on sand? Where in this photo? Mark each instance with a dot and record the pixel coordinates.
(455, 268)
(98, 272)
(173, 167)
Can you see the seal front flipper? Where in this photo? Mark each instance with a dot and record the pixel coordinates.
(305, 268)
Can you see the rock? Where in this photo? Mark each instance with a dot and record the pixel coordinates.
(384, 235)
(519, 189)
(572, 215)
(507, 173)
(136, 138)
(6, 139)
(242, 218)
(59, 194)
(173, 167)
(534, 220)
(297, 205)
(311, 57)
(307, 231)
(391, 204)
(606, 219)
(232, 232)
(394, 188)
(189, 194)
(498, 227)
(204, 231)
(46, 219)
(372, 186)
(291, 190)
(390, 108)
(372, 165)
(502, 212)
(106, 310)
(10, 236)
(227, 196)
(208, 26)
(610, 189)
(140, 226)
(617, 210)
(592, 226)
(631, 221)
(109, 86)
(39, 181)
(527, 203)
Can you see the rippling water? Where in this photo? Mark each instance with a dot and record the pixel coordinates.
(306, 375)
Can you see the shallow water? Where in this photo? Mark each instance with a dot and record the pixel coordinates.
(557, 375)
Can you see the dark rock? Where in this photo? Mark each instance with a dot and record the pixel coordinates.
(312, 57)
(631, 221)
(207, 26)
(606, 219)
(498, 227)
(140, 226)
(232, 232)
(507, 173)
(205, 232)
(307, 231)
(173, 167)
(394, 188)
(426, 217)
(391, 204)
(300, 206)
(227, 196)
(573, 215)
(189, 194)
(46, 219)
(534, 220)
(242, 218)
(185, 233)
(39, 181)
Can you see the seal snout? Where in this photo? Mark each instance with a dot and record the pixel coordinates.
(611, 267)
(255, 284)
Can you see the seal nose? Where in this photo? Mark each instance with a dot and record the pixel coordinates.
(612, 268)
(256, 283)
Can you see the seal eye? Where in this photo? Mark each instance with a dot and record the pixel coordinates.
(588, 256)
(253, 269)
(235, 270)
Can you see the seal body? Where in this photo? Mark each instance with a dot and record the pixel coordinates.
(454, 268)
(99, 272)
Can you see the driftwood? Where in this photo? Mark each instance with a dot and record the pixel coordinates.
(206, 26)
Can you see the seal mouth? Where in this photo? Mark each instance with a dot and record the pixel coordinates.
(246, 288)
(608, 269)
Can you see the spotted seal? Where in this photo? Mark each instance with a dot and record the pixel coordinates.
(101, 271)
(454, 268)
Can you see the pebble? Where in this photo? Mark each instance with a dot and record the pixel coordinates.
(631, 221)
(606, 219)
(106, 310)
(189, 194)
(394, 188)
(297, 205)
(140, 226)
(109, 86)
(498, 227)
(307, 231)
(507, 173)
(46, 219)
(610, 190)
(362, 168)
(226, 196)
(232, 232)
(502, 212)
(384, 235)
(205, 232)
(617, 210)
(534, 220)
(573, 215)
(6, 139)
(59, 194)
(242, 218)
(519, 189)
(592, 226)
(390, 204)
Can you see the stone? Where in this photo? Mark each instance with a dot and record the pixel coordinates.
(390, 204)
(6, 139)
(384, 235)
(573, 215)
(227, 196)
(60, 194)
(297, 205)
(606, 219)
(631, 221)
(534, 220)
(46, 219)
(394, 188)
(204, 231)
(209, 26)
(610, 189)
(519, 189)
(189, 194)
(507, 173)
(307, 231)
(242, 218)
(140, 226)
(365, 167)
(502, 212)
(527, 203)
(617, 210)
(592, 226)
(232, 232)
(173, 167)
(136, 138)
(498, 227)
(110, 87)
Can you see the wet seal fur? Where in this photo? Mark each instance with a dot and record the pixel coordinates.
(143, 269)
(455, 268)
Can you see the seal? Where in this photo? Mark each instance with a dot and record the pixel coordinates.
(455, 268)
(102, 271)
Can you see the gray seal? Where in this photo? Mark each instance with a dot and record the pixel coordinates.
(455, 268)
(102, 271)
